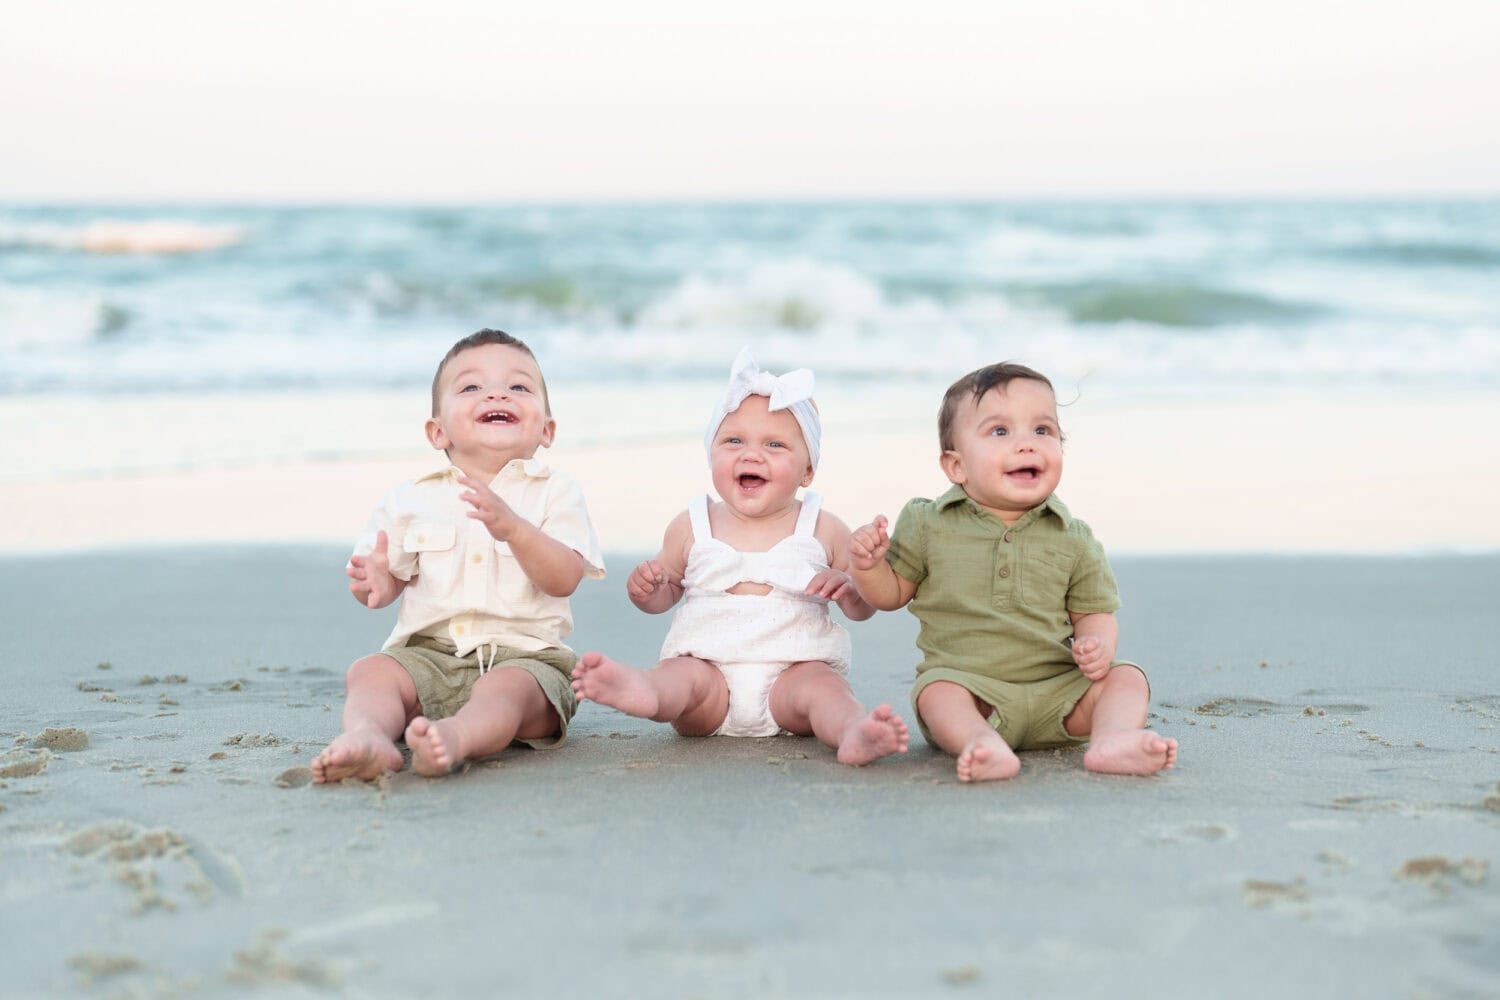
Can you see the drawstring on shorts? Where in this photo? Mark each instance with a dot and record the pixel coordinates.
(487, 655)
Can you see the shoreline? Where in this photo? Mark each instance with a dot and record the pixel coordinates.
(1296, 474)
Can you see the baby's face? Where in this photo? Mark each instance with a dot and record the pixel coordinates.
(491, 407)
(1007, 452)
(759, 459)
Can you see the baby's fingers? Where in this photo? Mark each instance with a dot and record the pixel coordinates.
(822, 585)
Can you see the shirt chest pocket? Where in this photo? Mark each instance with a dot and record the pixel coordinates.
(1048, 571)
(432, 544)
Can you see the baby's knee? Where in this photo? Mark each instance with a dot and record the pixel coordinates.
(1128, 677)
(937, 694)
(371, 669)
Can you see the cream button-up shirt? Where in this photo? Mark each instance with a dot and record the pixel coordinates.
(466, 587)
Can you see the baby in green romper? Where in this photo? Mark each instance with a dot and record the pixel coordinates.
(1015, 598)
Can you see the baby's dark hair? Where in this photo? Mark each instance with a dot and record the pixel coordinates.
(975, 385)
(479, 339)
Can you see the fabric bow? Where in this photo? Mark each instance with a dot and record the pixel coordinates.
(792, 391)
(747, 379)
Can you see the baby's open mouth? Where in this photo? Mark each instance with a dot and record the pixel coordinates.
(1029, 473)
(749, 481)
(497, 417)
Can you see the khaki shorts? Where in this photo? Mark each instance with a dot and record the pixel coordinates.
(1028, 716)
(444, 680)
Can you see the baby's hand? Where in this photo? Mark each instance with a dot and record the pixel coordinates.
(495, 513)
(370, 577)
(1092, 658)
(868, 545)
(644, 580)
(829, 584)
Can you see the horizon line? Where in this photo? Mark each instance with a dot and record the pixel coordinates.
(472, 201)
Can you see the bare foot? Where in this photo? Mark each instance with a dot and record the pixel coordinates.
(1133, 751)
(987, 758)
(609, 682)
(435, 751)
(361, 753)
(877, 735)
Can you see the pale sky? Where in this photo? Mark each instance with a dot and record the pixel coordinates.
(454, 100)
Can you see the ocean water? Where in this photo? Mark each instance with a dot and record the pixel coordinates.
(1154, 299)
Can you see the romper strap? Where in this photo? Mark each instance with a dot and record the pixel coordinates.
(698, 515)
(807, 520)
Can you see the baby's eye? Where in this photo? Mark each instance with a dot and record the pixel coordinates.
(999, 431)
(774, 444)
(470, 388)
(731, 440)
(518, 387)
(1043, 429)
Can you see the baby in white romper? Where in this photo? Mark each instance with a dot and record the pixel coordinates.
(753, 650)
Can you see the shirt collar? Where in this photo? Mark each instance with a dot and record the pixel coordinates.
(956, 495)
(534, 467)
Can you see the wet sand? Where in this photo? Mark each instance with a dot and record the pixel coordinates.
(1296, 473)
(1331, 828)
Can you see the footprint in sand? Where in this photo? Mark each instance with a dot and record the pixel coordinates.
(24, 763)
(1440, 873)
(1263, 892)
(1242, 708)
(294, 777)
(63, 740)
(1196, 833)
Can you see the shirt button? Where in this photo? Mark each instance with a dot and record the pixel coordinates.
(458, 630)
(1008, 536)
(478, 558)
(421, 539)
(1004, 571)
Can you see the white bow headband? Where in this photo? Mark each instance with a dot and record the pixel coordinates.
(792, 391)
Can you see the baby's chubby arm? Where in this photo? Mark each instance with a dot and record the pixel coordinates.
(1095, 637)
(370, 579)
(656, 584)
(834, 583)
(877, 582)
(555, 568)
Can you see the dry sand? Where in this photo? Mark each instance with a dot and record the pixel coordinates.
(1331, 829)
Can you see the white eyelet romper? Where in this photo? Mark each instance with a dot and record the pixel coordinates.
(753, 638)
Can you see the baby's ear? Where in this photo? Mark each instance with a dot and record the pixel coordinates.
(953, 467)
(807, 479)
(436, 436)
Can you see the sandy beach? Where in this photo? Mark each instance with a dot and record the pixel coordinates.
(1330, 830)
(175, 640)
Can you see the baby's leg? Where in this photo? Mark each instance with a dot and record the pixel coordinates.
(953, 717)
(1112, 714)
(379, 697)
(685, 691)
(811, 697)
(504, 704)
